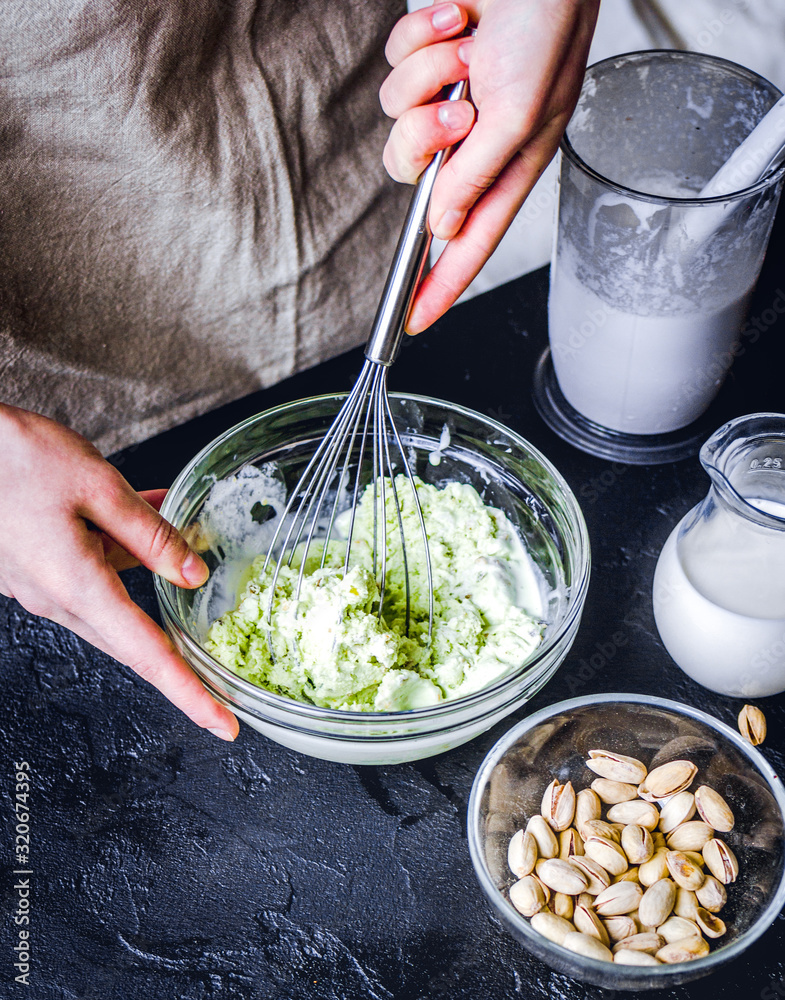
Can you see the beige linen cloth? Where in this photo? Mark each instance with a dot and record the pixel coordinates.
(192, 201)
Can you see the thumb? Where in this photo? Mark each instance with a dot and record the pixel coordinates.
(154, 497)
(128, 519)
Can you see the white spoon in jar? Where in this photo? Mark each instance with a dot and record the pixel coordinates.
(761, 152)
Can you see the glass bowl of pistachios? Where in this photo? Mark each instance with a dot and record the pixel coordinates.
(629, 842)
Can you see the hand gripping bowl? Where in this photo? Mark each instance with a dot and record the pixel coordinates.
(554, 743)
(225, 501)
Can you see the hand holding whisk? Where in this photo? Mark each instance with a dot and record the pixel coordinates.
(364, 423)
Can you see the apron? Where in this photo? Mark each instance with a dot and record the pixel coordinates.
(192, 201)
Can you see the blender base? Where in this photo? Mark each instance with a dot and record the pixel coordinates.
(616, 446)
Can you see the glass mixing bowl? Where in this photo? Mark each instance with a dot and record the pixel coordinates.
(554, 743)
(220, 502)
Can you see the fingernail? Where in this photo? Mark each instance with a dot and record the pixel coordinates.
(448, 225)
(412, 324)
(223, 734)
(465, 51)
(194, 569)
(454, 114)
(446, 17)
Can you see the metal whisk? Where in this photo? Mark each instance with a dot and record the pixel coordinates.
(366, 414)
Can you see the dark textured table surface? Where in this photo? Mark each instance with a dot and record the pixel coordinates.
(167, 864)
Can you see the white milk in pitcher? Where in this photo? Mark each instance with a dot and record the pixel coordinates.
(719, 609)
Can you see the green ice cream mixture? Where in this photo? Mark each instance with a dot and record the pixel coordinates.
(331, 649)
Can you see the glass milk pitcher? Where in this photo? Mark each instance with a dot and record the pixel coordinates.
(719, 586)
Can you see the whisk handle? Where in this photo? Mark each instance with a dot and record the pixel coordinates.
(408, 261)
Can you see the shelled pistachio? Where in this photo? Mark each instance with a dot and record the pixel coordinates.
(551, 926)
(610, 792)
(721, 861)
(527, 896)
(714, 810)
(522, 853)
(558, 805)
(752, 725)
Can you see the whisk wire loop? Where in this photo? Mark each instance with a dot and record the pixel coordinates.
(380, 492)
(421, 519)
(314, 482)
(397, 505)
(356, 491)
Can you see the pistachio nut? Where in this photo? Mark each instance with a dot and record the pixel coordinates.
(621, 897)
(684, 871)
(610, 792)
(656, 868)
(657, 903)
(558, 805)
(752, 725)
(562, 905)
(629, 957)
(586, 945)
(687, 902)
(721, 861)
(683, 951)
(690, 836)
(616, 766)
(606, 853)
(588, 922)
(647, 941)
(667, 779)
(588, 805)
(678, 928)
(658, 839)
(596, 876)
(522, 853)
(710, 923)
(620, 927)
(631, 875)
(637, 844)
(599, 828)
(551, 926)
(561, 876)
(714, 810)
(677, 810)
(545, 890)
(527, 896)
(711, 895)
(570, 843)
(547, 844)
(643, 814)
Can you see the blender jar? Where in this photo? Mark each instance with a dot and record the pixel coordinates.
(650, 284)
